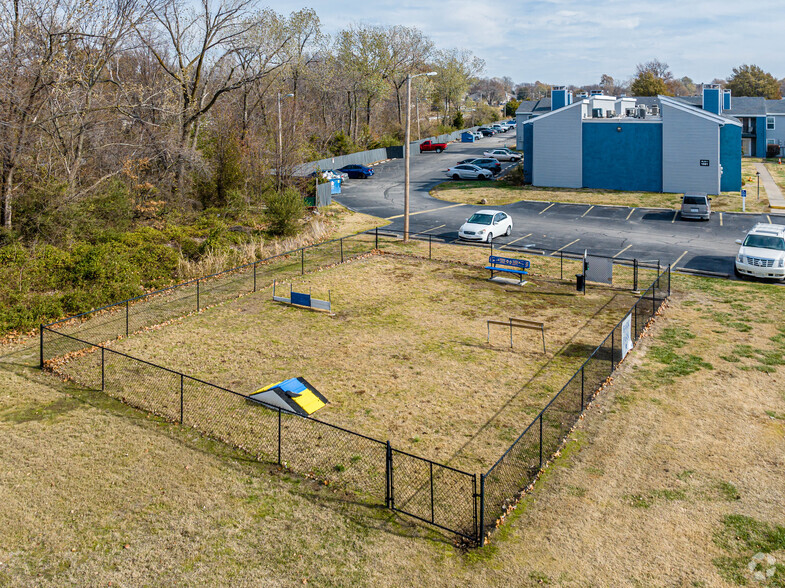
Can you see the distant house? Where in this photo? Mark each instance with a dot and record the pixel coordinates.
(657, 144)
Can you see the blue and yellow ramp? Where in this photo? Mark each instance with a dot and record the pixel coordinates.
(294, 395)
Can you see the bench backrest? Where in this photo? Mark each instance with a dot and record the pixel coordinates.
(496, 260)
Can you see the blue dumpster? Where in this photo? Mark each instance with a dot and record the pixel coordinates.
(467, 137)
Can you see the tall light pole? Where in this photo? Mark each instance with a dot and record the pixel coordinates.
(407, 150)
(758, 174)
(280, 139)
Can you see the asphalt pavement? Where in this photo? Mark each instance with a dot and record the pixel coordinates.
(646, 234)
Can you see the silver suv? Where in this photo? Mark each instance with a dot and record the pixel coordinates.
(762, 253)
(696, 205)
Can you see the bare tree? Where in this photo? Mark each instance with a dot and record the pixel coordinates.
(198, 49)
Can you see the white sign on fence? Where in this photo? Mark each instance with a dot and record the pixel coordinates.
(626, 336)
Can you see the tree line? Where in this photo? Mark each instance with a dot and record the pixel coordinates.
(655, 77)
(181, 105)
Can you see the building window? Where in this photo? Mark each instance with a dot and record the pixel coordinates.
(771, 141)
(769, 123)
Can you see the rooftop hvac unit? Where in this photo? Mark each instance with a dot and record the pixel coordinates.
(655, 110)
(596, 112)
(609, 114)
(630, 112)
(641, 112)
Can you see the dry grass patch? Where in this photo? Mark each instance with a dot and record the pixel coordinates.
(675, 477)
(405, 356)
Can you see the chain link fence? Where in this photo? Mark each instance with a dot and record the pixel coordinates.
(443, 496)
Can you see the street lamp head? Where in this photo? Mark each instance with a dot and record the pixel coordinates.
(289, 96)
(432, 73)
(757, 173)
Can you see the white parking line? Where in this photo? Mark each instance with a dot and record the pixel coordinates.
(623, 250)
(720, 219)
(768, 217)
(515, 241)
(424, 211)
(433, 229)
(565, 246)
(547, 207)
(629, 215)
(673, 265)
(587, 212)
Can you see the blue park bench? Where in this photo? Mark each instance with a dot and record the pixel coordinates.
(508, 265)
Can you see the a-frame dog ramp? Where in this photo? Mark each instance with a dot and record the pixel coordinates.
(294, 395)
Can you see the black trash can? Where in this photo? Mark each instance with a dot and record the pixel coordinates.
(580, 282)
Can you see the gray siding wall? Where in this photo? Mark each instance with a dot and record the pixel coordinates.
(686, 140)
(558, 149)
(778, 134)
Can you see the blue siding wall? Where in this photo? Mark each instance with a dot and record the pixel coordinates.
(711, 100)
(760, 136)
(558, 99)
(630, 159)
(730, 158)
(528, 152)
(726, 104)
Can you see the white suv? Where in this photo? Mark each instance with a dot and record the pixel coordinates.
(762, 253)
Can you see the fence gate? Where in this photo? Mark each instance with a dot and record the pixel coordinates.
(437, 494)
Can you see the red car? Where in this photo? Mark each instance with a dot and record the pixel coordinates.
(430, 146)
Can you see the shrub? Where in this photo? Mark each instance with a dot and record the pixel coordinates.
(772, 150)
(284, 209)
(515, 176)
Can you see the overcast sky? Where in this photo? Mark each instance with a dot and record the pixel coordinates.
(576, 41)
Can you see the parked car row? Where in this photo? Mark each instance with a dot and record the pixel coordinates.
(493, 129)
(491, 162)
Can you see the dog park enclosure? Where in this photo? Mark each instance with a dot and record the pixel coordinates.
(421, 376)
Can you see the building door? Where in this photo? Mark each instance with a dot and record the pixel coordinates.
(746, 147)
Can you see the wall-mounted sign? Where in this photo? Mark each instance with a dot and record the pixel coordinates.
(704, 163)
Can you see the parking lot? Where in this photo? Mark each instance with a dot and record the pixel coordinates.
(616, 231)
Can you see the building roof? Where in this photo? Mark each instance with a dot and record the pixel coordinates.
(535, 107)
(775, 106)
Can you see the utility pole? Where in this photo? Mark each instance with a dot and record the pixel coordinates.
(407, 149)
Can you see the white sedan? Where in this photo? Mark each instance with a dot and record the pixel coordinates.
(484, 225)
(503, 155)
(467, 171)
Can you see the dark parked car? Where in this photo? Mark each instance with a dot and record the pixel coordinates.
(357, 171)
(485, 163)
(486, 132)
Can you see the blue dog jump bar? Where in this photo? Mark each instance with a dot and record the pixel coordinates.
(495, 261)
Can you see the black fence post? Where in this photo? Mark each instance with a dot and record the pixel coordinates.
(181, 399)
(254, 276)
(541, 440)
(582, 387)
(341, 249)
(482, 510)
(127, 312)
(41, 346)
(429, 245)
(197, 295)
(561, 265)
(279, 436)
(103, 369)
(391, 484)
(635, 274)
(432, 514)
(613, 333)
(302, 261)
(377, 238)
(669, 280)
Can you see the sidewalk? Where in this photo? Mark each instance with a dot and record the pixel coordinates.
(776, 200)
